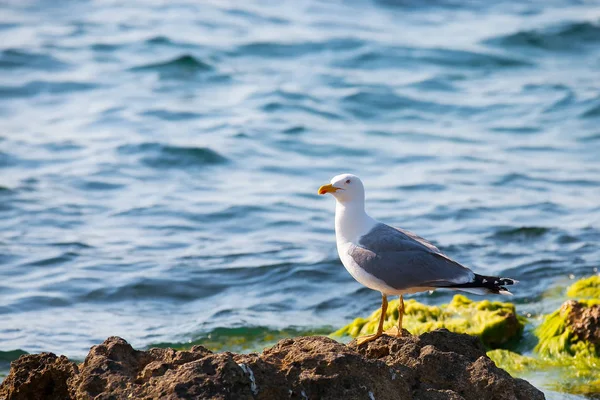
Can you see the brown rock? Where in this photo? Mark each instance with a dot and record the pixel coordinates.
(38, 376)
(584, 320)
(320, 368)
(448, 365)
(437, 365)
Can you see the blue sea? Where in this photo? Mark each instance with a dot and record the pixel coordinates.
(159, 160)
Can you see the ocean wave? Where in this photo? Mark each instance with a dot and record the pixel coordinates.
(35, 88)
(521, 233)
(284, 107)
(171, 115)
(92, 185)
(148, 288)
(11, 355)
(394, 57)
(593, 110)
(282, 50)
(469, 59)
(378, 102)
(241, 339)
(13, 58)
(166, 41)
(158, 155)
(569, 37)
(182, 67)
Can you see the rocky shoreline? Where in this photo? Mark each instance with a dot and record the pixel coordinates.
(432, 366)
(563, 345)
(439, 362)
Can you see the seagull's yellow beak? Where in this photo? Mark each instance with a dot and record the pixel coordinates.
(329, 188)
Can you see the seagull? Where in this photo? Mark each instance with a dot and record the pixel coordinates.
(394, 261)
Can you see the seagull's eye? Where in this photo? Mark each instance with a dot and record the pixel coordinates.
(347, 180)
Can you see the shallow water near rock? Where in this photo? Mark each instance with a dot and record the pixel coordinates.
(159, 162)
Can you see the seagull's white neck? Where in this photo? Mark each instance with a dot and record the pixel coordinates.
(351, 221)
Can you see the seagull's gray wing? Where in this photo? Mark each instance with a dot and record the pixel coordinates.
(404, 260)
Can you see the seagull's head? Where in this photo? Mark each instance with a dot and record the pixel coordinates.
(345, 188)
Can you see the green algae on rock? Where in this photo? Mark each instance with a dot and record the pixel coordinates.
(585, 288)
(495, 323)
(573, 329)
(514, 363)
(569, 344)
(569, 374)
(242, 339)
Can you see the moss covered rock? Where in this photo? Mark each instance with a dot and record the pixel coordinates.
(514, 363)
(588, 288)
(568, 349)
(494, 322)
(568, 374)
(572, 330)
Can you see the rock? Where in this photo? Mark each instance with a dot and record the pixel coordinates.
(437, 365)
(38, 376)
(588, 288)
(574, 329)
(443, 365)
(495, 323)
(584, 320)
(568, 349)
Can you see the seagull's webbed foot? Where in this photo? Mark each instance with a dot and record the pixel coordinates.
(367, 338)
(393, 331)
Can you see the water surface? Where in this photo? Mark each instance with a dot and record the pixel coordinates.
(159, 161)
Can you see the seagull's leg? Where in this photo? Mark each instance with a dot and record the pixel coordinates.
(367, 338)
(400, 314)
(397, 330)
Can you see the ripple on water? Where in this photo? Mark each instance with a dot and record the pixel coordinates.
(372, 102)
(568, 37)
(6, 357)
(146, 238)
(520, 233)
(98, 185)
(169, 115)
(407, 57)
(3, 189)
(182, 67)
(11, 355)
(242, 339)
(13, 58)
(160, 156)
(469, 59)
(593, 111)
(281, 107)
(161, 40)
(438, 84)
(43, 87)
(283, 50)
(173, 290)
(295, 130)
(57, 260)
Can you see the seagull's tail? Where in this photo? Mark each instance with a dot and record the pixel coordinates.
(487, 284)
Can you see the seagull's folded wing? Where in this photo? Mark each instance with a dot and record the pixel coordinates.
(403, 260)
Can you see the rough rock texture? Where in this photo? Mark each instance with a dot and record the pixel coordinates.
(441, 365)
(573, 329)
(436, 365)
(585, 321)
(38, 376)
(568, 350)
